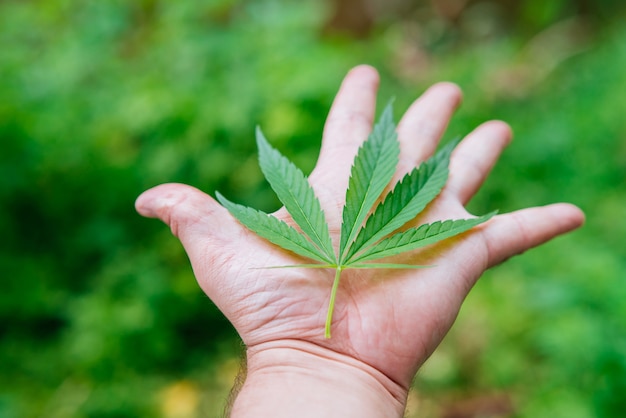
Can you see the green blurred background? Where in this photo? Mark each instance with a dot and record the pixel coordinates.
(100, 315)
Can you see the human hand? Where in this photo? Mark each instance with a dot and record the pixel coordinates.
(386, 322)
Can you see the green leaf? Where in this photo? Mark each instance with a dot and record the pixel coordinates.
(372, 171)
(274, 230)
(408, 198)
(295, 192)
(361, 241)
(419, 237)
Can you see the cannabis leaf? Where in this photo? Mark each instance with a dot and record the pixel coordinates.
(295, 192)
(408, 198)
(372, 171)
(274, 230)
(367, 232)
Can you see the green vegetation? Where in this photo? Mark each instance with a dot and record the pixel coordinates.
(99, 313)
(363, 238)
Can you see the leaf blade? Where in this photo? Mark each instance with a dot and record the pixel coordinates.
(419, 237)
(372, 170)
(273, 230)
(408, 198)
(295, 192)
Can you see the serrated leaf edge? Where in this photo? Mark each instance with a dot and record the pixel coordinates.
(421, 186)
(421, 236)
(274, 230)
(299, 199)
(368, 178)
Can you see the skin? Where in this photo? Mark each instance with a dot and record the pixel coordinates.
(386, 322)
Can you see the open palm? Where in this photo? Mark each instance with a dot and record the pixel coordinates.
(390, 320)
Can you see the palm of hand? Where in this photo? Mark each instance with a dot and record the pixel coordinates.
(389, 320)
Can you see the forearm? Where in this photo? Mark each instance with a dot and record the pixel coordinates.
(294, 378)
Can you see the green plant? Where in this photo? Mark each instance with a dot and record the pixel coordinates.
(363, 238)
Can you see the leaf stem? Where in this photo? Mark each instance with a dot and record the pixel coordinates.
(331, 303)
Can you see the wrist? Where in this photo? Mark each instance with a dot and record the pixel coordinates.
(296, 378)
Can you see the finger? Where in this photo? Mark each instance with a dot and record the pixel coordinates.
(513, 233)
(191, 214)
(474, 158)
(423, 124)
(208, 234)
(348, 125)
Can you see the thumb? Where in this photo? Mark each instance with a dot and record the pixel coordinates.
(190, 213)
(206, 231)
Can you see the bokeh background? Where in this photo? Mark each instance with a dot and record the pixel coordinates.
(100, 315)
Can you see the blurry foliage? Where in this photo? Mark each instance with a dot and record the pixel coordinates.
(99, 313)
